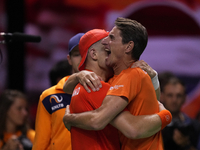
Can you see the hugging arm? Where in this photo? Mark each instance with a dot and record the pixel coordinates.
(97, 119)
(86, 78)
(90, 79)
(133, 127)
(70, 84)
(136, 127)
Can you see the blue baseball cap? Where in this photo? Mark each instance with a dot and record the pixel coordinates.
(74, 41)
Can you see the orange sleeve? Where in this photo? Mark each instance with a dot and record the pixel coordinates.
(42, 128)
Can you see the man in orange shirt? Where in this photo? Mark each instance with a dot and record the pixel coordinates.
(50, 131)
(124, 45)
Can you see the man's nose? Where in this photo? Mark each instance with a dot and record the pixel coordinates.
(104, 41)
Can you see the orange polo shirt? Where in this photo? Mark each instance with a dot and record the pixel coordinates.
(51, 133)
(135, 84)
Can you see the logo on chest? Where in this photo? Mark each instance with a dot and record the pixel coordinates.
(116, 87)
(76, 92)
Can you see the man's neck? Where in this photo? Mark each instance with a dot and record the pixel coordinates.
(122, 65)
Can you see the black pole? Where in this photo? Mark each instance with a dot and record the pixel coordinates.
(16, 51)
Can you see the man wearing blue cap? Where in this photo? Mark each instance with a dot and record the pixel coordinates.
(50, 130)
(74, 56)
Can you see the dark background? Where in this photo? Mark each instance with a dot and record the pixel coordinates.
(173, 27)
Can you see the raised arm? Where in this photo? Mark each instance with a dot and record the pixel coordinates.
(86, 78)
(70, 84)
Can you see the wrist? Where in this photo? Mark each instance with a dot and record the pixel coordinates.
(77, 77)
(165, 117)
(155, 81)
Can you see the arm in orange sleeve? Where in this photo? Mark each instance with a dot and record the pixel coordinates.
(42, 128)
(134, 127)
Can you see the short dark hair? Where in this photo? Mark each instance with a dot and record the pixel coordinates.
(132, 30)
(59, 70)
(166, 78)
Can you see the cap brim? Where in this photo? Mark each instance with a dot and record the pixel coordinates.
(72, 48)
(82, 63)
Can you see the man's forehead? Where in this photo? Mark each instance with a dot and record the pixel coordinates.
(75, 49)
(115, 31)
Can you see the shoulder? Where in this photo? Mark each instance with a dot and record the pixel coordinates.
(80, 90)
(65, 78)
(136, 70)
(48, 92)
(54, 89)
(130, 73)
(61, 83)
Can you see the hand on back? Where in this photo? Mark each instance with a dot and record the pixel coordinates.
(144, 66)
(89, 79)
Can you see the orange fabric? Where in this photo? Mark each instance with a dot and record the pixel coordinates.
(136, 86)
(166, 117)
(50, 130)
(105, 139)
(30, 135)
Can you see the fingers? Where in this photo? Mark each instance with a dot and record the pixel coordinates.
(67, 110)
(65, 121)
(90, 80)
(141, 64)
(144, 66)
(161, 106)
(85, 85)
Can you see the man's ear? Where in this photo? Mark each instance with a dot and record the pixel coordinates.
(69, 59)
(129, 46)
(93, 54)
